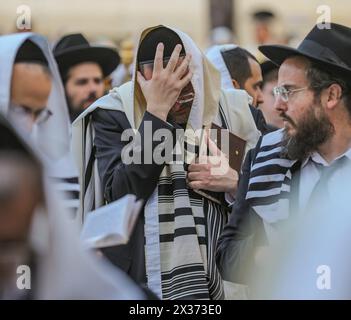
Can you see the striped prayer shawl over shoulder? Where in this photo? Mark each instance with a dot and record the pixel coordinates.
(270, 180)
(181, 233)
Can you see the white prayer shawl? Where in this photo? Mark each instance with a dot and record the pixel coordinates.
(205, 109)
(214, 54)
(52, 137)
(63, 269)
(123, 98)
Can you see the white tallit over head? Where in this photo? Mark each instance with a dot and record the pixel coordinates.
(51, 137)
(129, 99)
(215, 56)
(205, 109)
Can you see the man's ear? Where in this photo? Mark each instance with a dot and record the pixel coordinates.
(235, 84)
(334, 93)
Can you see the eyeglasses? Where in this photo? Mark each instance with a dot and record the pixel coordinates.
(40, 116)
(284, 92)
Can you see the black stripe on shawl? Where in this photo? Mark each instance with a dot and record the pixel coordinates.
(263, 186)
(186, 268)
(269, 200)
(275, 155)
(269, 170)
(169, 237)
(89, 169)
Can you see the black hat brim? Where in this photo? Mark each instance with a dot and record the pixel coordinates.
(278, 53)
(108, 59)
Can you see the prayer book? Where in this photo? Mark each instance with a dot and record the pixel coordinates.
(233, 147)
(111, 224)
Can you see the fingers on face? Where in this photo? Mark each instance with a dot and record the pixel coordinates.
(173, 61)
(183, 68)
(158, 62)
(182, 72)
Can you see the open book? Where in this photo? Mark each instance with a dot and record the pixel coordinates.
(111, 224)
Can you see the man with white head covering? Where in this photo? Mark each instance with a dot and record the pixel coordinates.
(172, 244)
(239, 69)
(40, 253)
(32, 97)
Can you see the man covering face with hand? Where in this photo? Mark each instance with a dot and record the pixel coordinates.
(174, 87)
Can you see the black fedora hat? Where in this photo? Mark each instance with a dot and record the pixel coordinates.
(329, 47)
(73, 49)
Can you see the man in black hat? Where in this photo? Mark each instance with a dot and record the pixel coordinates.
(83, 69)
(283, 177)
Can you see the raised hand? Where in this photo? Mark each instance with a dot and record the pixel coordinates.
(162, 90)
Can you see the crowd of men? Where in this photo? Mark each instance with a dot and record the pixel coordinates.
(207, 228)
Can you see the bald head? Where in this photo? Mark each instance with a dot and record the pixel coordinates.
(30, 89)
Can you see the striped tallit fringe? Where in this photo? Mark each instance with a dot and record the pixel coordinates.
(92, 193)
(270, 180)
(68, 188)
(188, 234)
(179, 209)
(216, 219)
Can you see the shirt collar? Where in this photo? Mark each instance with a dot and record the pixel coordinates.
(317, 158)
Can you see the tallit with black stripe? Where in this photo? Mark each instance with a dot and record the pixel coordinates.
(189, 226)
(181, 229)
(270, 180)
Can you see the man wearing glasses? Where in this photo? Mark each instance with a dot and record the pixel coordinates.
(29, 98)
(32, 98)
(174, 88)
(283, 177)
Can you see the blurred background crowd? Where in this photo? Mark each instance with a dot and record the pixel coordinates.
(74, 29)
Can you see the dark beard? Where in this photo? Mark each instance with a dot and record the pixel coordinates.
(311, 131)
(75, 111)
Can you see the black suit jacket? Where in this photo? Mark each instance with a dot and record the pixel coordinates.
(243, 233)
(119, 179)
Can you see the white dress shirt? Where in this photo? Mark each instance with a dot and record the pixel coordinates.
(311, 173)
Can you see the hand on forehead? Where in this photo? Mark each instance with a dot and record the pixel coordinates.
(147, 67)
